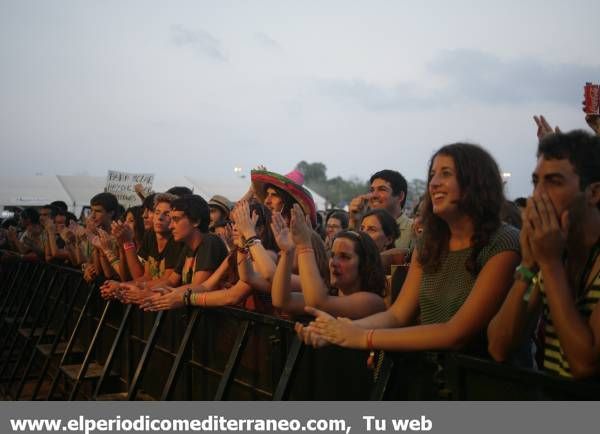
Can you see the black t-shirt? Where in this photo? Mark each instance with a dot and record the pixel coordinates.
(207, 257)
(60, 245)
(160, 261)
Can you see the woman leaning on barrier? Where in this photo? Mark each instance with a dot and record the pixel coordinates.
(459, 274)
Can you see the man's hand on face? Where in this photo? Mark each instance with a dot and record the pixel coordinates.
(359, 204)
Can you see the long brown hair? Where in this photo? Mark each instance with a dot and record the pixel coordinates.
(481, 199)
(370, 269)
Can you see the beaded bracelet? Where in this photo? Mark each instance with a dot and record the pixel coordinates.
(186, 296)
(251, 242)
(251, 239)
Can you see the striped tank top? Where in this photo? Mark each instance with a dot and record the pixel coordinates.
(555, 360)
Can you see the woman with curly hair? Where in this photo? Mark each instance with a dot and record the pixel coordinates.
(459, 274)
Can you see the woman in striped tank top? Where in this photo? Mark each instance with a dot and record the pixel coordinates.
(459, 274)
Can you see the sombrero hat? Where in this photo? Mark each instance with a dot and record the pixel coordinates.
(290, 183)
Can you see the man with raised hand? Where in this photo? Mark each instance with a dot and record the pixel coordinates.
(388, 191)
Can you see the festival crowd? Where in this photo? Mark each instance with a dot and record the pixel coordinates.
(464, 270)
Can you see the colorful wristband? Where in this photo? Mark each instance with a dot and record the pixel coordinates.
(527, 275)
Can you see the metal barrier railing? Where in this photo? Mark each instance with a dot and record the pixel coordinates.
(60, 340)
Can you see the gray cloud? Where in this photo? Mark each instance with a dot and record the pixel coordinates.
(200, 41)
(472, 76)
(483, 77)
(403, 96)
(267, 42)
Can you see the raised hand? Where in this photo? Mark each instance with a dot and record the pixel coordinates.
(358, 205)
(594, 122)
(68, 236)
(245, 223)
(282, 234)
(106, 241)
(544, 127)
(122, 232)
(90, 225)
(78, 230)
(227, 236)
(301, 232)
(95, 240)
(139, 189)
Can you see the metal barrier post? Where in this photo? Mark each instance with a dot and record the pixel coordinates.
(57, 340)
(170, 384)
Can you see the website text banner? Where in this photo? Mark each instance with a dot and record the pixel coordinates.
(308, 417)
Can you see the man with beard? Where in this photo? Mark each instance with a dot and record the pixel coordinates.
(388, 191)
(559, 275)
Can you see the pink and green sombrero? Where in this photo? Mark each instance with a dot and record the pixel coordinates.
(290, 183)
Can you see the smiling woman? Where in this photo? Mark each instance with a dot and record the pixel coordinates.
(459, 274)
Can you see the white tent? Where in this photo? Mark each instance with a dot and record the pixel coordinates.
(77, 191)
(81, 188)
(31, 191)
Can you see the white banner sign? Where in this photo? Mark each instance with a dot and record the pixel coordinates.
(122, 185)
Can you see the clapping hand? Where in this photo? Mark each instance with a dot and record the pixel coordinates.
(109, 289)
(301, 231)
(282, 234)
(122, 232)
(338, 331)
(163, 299)
(244, 222)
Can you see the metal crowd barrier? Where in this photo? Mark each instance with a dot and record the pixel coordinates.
(60, 341)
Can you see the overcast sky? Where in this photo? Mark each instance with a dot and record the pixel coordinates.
(200, 87)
